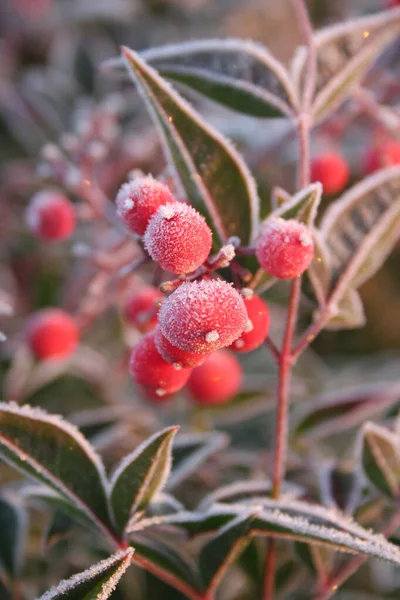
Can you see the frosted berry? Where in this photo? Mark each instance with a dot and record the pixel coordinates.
(138, 200)
(141, 310)
(285, 249)
(203, 316)
(50, 216)
(257, 325)
(217, 380)
(384, 155)
(152, 373)
(332, 171)
(52, 333)
(178, 238)
(175, 356)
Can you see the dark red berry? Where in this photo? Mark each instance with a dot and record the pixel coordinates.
(257, 325)
(138, 200)
(217, 380)
(175, 356)
(152, 373)
(203, 316)
(332, 171)
(141, 308)
(178, 238)
(52, 333)
(50, 216)
(285, 249)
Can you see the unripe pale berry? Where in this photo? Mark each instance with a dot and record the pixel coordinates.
(178, 238)
(140, 309)
(138, 200)
(51, 216)
(52, 333)
(257, 325)
(285, 249)
(203, 316)
(384, 155)
(332, 171)
(175, 356)
(217, 380)
(152, 373)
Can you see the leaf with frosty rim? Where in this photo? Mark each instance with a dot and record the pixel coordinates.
(239, 74)
(211, 172)
(96, 583)
(344, 54)
(190, 451)
(337, 411)
(380, 459)
(52, 451)
(13, 527)
(349, 313)
(297, 521)
(140, 476)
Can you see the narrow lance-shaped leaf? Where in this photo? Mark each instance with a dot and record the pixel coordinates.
(166, 560)
(191, 451)
(297, 521)
(96, 583)
(361, 228)
(213, 175)
(243, 491)
(140, 476)
(52, 451)
(13, 521)
(349, 313)
(239, 74)
(345, 52)
(342, 409)
(380, 458)
(218, 554)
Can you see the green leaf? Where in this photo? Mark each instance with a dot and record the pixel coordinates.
(342, 409)
(303, 206)
(165, 560)
(380, 458)
(349, 313)
(191, 451)
(360, 229)
(52, 451)
(13, 523)
(96, 583)
(297, 521)
(218, 554)
(213, 175)
(239, 74)
(140, 476)
(345, 52)
(59, 527)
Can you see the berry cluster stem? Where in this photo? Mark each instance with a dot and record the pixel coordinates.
(285, 357)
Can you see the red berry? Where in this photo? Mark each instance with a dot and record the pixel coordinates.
(332, 171)
(257, 325)
(140, 309)
(178, 238)
(203, 316)
(50, 216)
(152, 373)
(175, 356)
(52, 333)
(384, 155)
(217, 380)
(138, 200)
(285, 249)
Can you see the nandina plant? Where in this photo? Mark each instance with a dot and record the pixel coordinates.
(192, 261)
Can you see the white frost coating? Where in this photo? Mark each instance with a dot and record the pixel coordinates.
(160, 115)
(212, 336)
(160, 392)
(3, 336)
(38, 414)
(249, 326)
(239, 343)
(259, 489)
(123, 557)
(247, 293)
(130, 458)
(168, 211)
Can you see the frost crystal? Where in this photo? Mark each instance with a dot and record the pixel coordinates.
(249, 326)
(212, 336)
